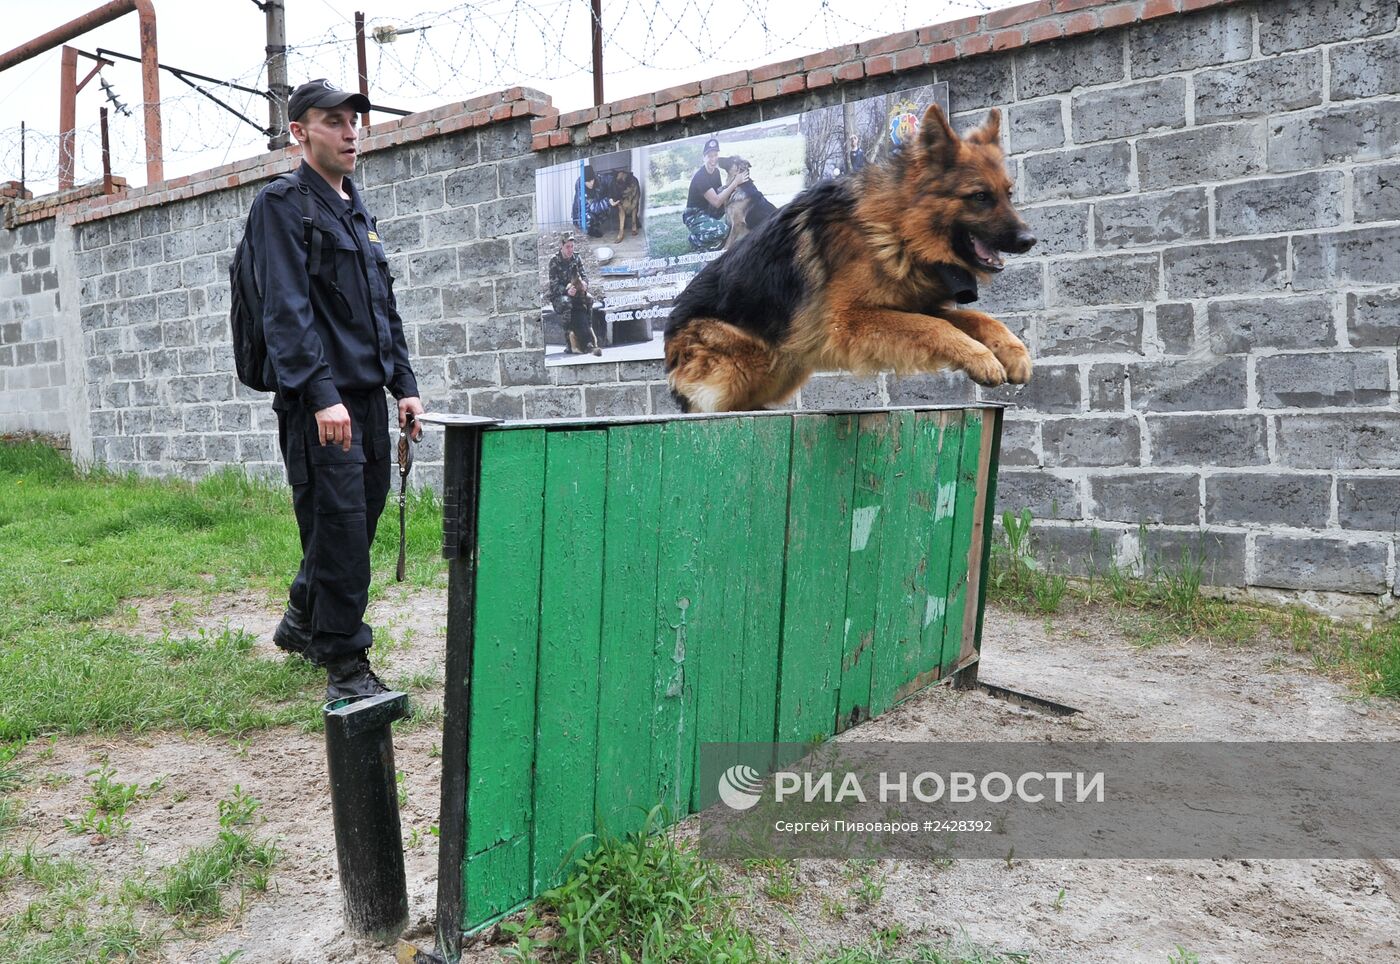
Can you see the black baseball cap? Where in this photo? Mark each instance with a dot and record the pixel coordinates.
(710, 145)
(323, 93)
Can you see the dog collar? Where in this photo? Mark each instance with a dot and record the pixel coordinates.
(961, 283)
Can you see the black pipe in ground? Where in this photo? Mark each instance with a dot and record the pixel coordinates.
(365, 807)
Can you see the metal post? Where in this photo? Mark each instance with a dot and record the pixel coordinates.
(150, 91)
(597, 52)
(365, 809)
(363, 60)
(22, 151)
(67, 116)
(106, 154)
(277, 86)
(461, 492)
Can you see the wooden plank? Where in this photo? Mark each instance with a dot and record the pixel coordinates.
(965, 501)
(920, 665)
(941, 539)
(501, 728)
(717, 614)
(898, 612)
(683, 517)
(980, 550)
(869, 522)
(763, 607)
(493, 880)
(571, 592)
(818, 553)
(631, 528)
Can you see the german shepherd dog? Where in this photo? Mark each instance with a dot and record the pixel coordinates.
(859, 273)
(624, 188)
(747, 208)
(572, 332)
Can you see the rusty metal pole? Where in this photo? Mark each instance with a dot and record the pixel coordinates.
(150, 72)
(150, 92)
(363, 59)
(67, 116)
(277, 84)
(597, 52)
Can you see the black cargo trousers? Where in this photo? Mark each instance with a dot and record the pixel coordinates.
(338, 497)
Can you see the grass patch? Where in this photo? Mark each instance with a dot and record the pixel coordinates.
(883, 950)
(69, 916)
(1168, 604)
(79, 544)
(193, 888)
(642, 898)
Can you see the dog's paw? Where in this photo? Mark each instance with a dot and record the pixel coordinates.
(985, 370)
(1017, 362)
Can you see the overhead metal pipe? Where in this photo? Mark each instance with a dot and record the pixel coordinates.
(150, 72)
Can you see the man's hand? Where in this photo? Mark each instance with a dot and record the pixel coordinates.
(570, 290)
(411, 404)
(333, 426)
(743, 177)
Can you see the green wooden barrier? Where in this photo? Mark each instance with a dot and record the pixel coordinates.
(624, 590)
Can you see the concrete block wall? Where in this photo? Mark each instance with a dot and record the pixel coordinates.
(1214, 306)
(32, 375)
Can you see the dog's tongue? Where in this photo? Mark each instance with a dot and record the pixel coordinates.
(985, 251)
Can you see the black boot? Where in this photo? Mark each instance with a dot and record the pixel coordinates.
(293, 633)
(350, 676)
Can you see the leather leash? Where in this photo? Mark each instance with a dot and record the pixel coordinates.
(406, 442)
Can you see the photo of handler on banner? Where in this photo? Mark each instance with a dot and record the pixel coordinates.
(591, 243)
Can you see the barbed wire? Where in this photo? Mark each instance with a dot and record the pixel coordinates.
(474, 47)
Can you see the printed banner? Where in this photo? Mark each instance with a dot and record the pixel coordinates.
(621, 234)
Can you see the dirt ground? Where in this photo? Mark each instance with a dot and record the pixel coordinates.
(1110, 911)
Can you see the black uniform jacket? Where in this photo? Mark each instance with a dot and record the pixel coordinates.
(338, 332)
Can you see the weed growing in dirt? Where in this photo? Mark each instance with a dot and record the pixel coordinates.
(108, 801)
(639, 898)
(193, 888)
(1182, 956)
(779, 878)
(1169, 603)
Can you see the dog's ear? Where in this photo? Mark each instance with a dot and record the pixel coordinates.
(936, 137)
(990, 131)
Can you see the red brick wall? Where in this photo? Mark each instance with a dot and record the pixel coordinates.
(1030, 23)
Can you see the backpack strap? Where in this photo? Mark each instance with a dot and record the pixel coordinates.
(310, 237)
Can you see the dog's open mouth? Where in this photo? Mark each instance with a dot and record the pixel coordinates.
(978, 252)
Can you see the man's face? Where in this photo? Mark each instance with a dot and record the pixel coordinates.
(329, 138)
(567, 249)
(711, 160)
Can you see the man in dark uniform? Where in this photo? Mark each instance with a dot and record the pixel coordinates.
(568, 296)
(335, 342)
(594, 211)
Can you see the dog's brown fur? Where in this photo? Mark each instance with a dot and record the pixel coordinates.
(863, 291)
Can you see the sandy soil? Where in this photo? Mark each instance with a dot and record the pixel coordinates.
(1112, 911)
